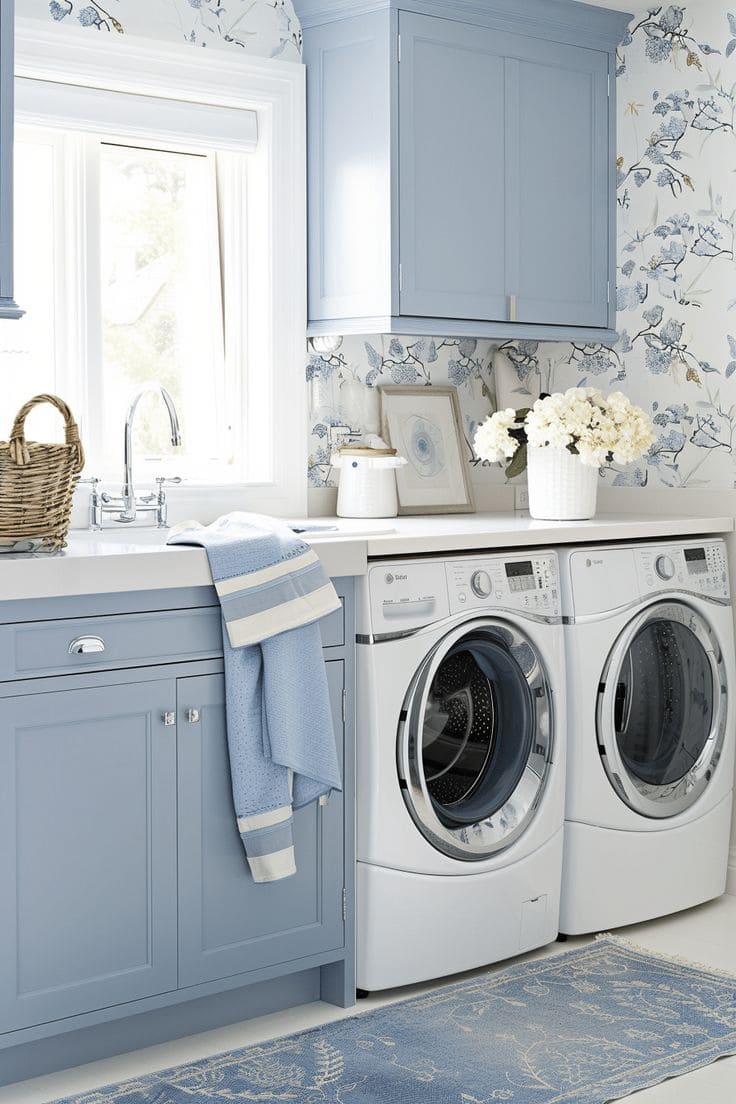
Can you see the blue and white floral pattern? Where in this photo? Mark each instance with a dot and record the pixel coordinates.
(583, 1027)
(268, 28)
(676, 351)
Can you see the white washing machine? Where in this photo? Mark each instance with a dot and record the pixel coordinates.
(460, 764)
(650, 662)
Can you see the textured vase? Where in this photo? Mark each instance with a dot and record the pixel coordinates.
(561, 487)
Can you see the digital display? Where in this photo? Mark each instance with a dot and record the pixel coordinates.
(695, 560)
(513, 570)
(520, 576)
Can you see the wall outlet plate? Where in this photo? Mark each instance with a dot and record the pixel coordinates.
(521, 497)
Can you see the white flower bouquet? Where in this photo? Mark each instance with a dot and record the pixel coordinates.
(595, 428)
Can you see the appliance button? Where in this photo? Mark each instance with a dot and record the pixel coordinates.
(481, 584)
(664, 567)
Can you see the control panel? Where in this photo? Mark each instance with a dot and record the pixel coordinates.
(697, 568)
(528, 583)
(407, 595)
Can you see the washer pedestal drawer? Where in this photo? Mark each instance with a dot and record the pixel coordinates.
(611, 878)
(415, 927)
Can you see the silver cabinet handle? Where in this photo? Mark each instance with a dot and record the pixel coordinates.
(193, 716)
(169, 719)
(86, 645)
(512, 307)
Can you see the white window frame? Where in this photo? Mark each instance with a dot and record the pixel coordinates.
(275, 90)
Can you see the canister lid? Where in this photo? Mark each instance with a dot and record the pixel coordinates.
(367, 453)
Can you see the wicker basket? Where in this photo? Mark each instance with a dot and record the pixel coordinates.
(37, 481)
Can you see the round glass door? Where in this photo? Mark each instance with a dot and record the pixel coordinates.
(475, 740)
(662, 710)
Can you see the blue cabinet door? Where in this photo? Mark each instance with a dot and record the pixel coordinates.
(505, 176)
(88, 855)
(453, 184)
(227, 923)
(560, 184)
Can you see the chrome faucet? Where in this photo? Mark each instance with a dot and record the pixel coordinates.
(128, 513)
(127, 505)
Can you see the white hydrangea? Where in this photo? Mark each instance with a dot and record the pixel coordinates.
(492, 438)
(580, 419)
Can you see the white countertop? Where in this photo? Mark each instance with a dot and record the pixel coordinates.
(111, 562)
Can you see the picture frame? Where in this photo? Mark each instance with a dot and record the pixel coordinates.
(424, 425)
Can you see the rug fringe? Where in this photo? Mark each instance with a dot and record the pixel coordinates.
(680, 960)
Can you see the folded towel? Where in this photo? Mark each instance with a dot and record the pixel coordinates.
(272, 590)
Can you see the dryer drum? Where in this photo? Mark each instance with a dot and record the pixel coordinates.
(475, 742)
(662, 710)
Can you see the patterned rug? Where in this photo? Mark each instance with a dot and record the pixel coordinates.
(586, 1026)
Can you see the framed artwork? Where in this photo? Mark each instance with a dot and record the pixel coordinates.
(423, 424)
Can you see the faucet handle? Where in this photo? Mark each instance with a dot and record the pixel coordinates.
(93, 480)
(162, 480)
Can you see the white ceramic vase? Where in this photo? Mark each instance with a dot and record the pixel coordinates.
(561, 487)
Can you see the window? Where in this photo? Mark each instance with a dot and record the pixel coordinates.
(159, 239)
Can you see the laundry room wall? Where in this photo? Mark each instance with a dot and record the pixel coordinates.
(268, 28)
(676, 295)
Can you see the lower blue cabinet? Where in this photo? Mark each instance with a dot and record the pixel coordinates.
(88, 851)
(127, 905)
(227, 923)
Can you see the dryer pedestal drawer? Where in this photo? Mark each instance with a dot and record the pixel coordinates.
(33, 650)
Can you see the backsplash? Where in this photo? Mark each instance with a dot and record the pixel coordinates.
(268, 28)
(676, 296)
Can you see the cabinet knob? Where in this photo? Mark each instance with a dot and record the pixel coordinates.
(169, 719)
(193, 716)
(86, 645)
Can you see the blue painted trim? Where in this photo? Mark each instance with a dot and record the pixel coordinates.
(454, 327)
(577, 22)
(100, 605)
(8, 306)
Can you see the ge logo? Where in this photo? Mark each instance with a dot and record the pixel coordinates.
(389, 578)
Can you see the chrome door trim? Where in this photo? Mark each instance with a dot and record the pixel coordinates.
(457, 619)
(479, 841)
(675, 594)
(658, 802)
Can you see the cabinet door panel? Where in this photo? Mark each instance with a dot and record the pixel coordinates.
(88, 862)
(559, 180)
(452, 110)
(227, 923)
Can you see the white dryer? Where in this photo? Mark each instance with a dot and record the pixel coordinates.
(651, 677)
(460, 774)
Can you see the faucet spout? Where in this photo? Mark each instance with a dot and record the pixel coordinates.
(128, 493)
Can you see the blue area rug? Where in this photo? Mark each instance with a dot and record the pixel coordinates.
(586, 1026)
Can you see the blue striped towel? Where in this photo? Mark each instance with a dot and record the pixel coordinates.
(273, 590)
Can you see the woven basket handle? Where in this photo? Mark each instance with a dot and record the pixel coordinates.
(18, 449)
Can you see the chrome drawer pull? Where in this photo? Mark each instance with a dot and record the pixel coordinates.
(193, 716)
(86, 645)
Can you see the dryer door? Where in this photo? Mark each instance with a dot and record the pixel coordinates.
(475, 740)
(662, 706)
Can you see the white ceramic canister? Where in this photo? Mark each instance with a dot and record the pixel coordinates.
(367, 483)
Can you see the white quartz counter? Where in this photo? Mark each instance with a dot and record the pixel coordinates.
(111, 562)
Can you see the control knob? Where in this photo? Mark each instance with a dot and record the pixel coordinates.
(481, 584)
(664, 567)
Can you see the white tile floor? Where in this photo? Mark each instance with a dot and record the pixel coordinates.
(704, 935)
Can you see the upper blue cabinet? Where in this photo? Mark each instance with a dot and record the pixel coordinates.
(461, 167)
(8, 308)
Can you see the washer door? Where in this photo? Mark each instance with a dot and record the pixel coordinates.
(662, 710)
(475, 740)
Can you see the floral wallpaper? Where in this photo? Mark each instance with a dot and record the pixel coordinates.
(268, 28)
(676, 294)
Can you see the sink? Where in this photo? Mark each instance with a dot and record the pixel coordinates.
(137, 536)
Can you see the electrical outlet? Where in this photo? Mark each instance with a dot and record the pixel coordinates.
(521, 497)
